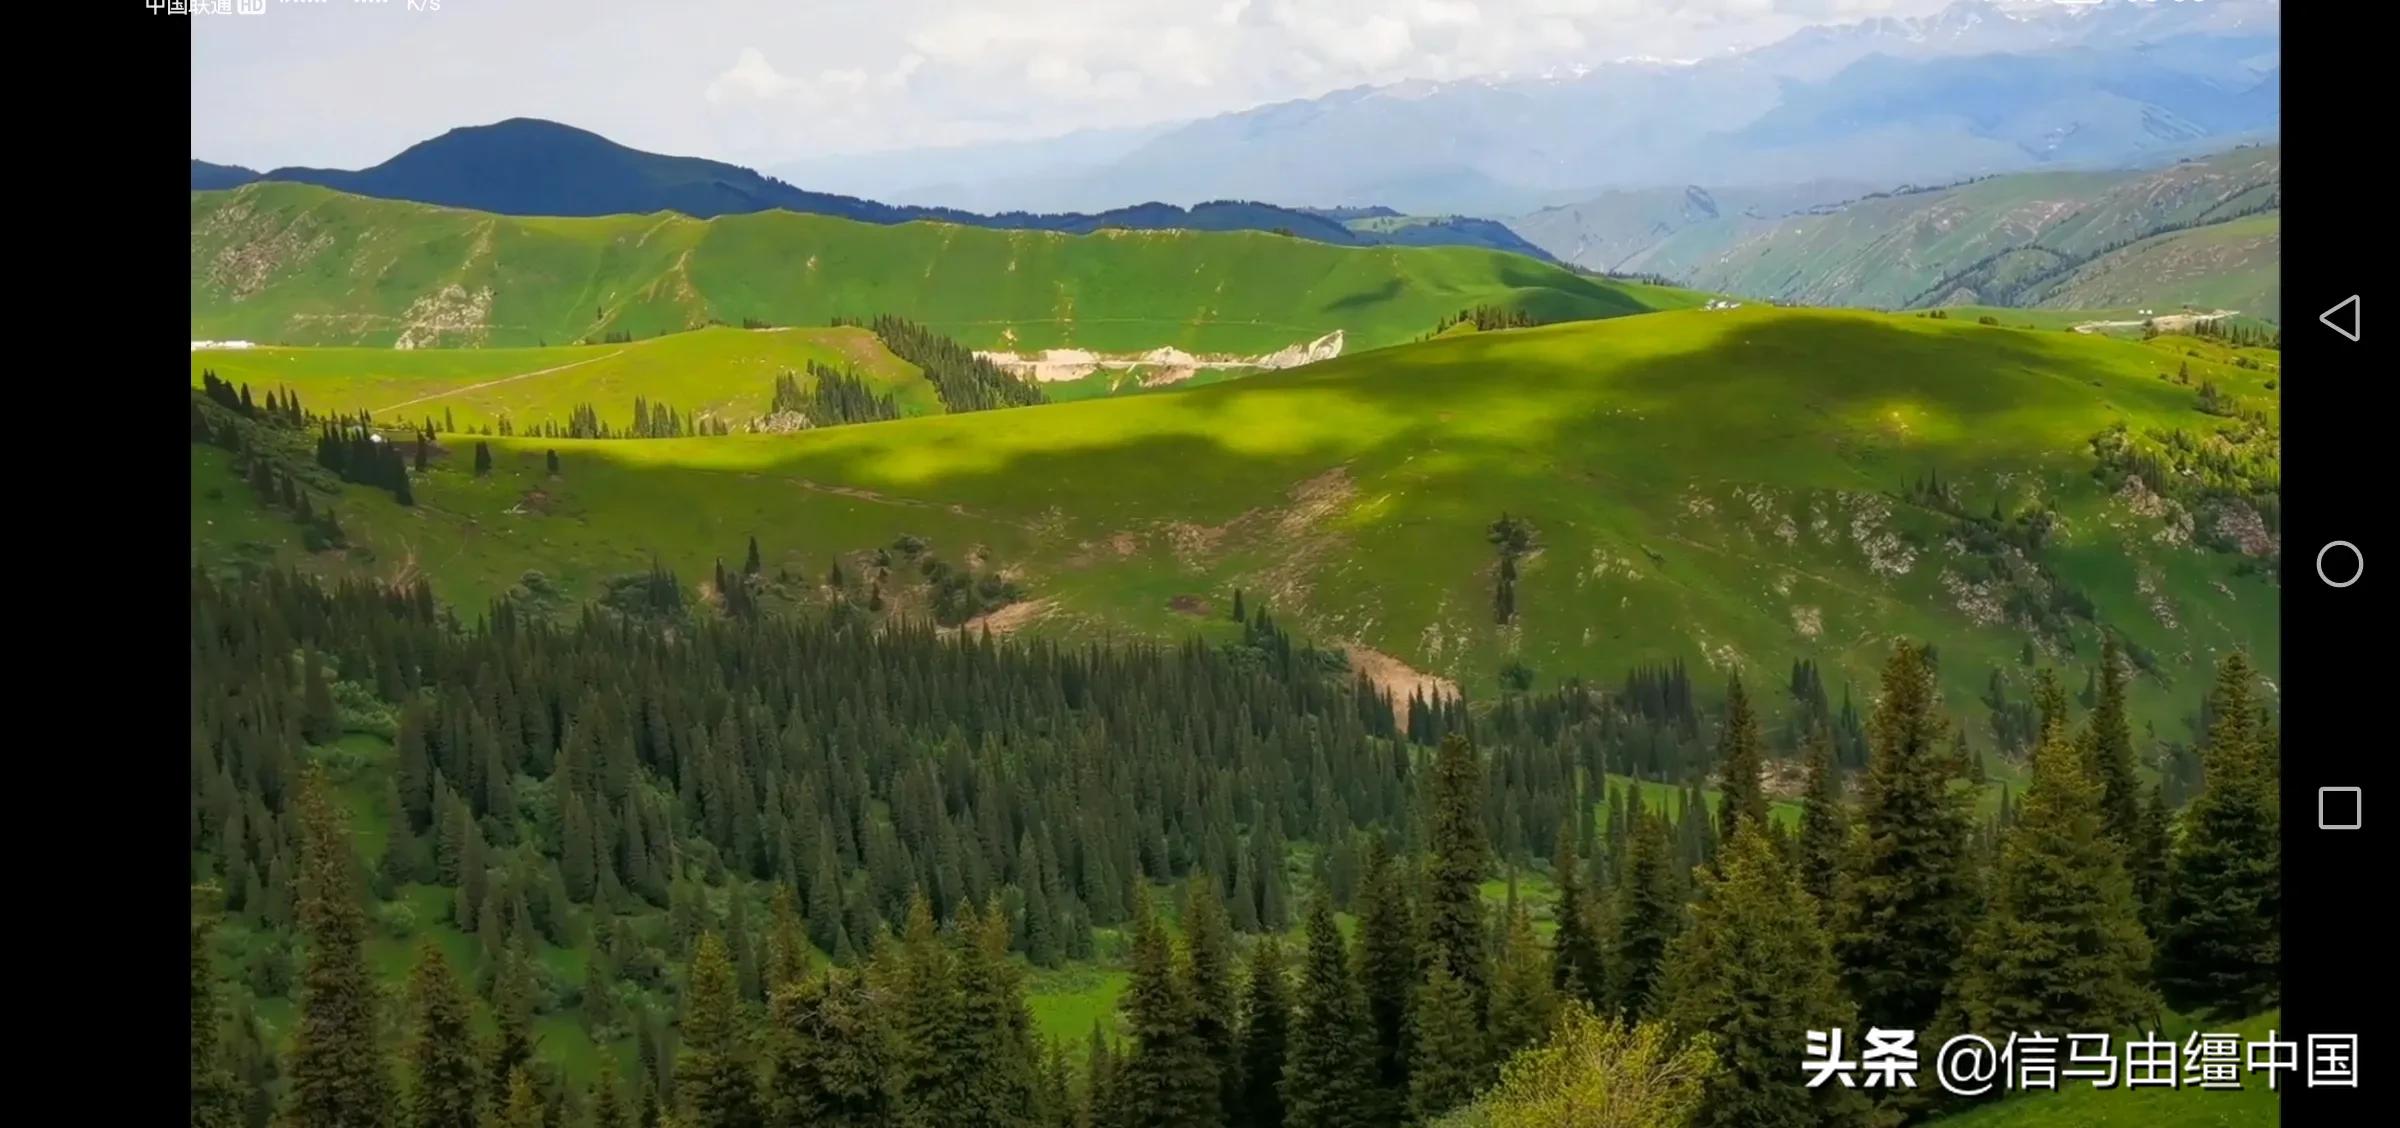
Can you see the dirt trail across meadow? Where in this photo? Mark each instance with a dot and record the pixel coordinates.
(496, 383)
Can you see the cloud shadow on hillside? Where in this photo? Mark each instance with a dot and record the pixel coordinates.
(1427, 394)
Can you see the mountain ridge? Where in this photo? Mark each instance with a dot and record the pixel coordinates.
(301, 264)
(2052, 86)
(535, 167)
(2020, 239)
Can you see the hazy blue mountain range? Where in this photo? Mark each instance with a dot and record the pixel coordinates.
(1979, 88)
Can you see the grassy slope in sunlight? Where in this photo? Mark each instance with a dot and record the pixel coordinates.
(1716, 486)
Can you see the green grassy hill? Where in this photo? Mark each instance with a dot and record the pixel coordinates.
(295, 264)
(2019, 240)
(1727, 487)
(726, 372)
(2234, 265)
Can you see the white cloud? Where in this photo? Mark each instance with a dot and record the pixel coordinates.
(766, 81)
(751, 76)
(1436, 13)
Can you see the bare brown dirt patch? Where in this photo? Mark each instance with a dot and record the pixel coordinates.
(1012, 618)
(1316, 499)
(1194, 545)
(1188, 605)
(1397, 678)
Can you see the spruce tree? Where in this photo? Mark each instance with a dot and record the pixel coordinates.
(319, 722)
(336, 1067)
(608, 1099)
(1103, 1103)
(1455, 932)
(1824, 824)
(1267, 855)
(2049, 703)
(2110, 740)
(2060, 946)
(1244, 902)
(1056, 1106)
(441, 1047)
(1578, 970)
(2147, 861)
(1042, 947)
(1740, 758)
(512, 1009)
(215, 1101)
(1389, 969)
(1208, 944)
(552, 458)
(1329, 1078)
(829, 1055)
(995, 1030)
(716, 1088)
(601, 1015)
(751, 562)
(1649, 914)
(749, 979)
(1524, 1002)
(1265, 1038)
(1451, 1055)
(825, 904)
(1755, 971)
(787, 940)
(578, 863)
(2222, 951)
(1907, 899)
(521, 1107)
(926, 1009)
(483, 458)
(1167, 1075)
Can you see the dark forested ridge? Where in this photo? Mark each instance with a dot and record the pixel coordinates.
(803, 863)
(835, 396)
(526, 166)
(965, 381)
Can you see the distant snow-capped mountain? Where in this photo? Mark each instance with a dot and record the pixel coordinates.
(1979, 87)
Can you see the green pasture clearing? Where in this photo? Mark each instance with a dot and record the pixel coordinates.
(281, 263)
(1724, 487)
(721, 371)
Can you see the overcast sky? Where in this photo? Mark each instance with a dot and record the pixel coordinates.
(347, 83)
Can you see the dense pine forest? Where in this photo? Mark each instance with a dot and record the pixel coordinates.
(806, 863)
(964, 381)
(835, 396)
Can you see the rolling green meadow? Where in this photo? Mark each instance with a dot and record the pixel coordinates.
(292, 264)
(1717, 486)
(2204, 231)
(2236, 264)
(721, 371)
